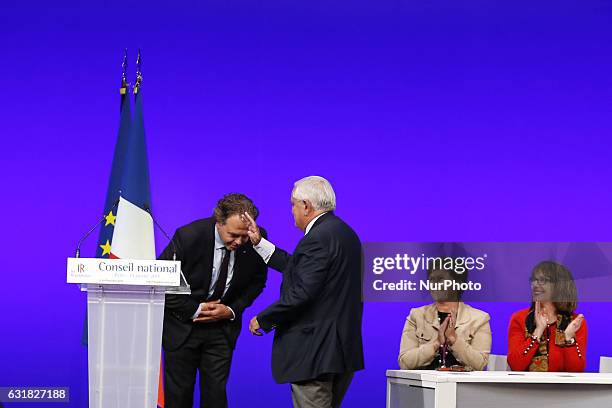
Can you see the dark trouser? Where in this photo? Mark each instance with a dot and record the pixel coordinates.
(327, 391)
(207, 349)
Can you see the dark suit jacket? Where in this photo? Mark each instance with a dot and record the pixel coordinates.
(195, 244)
(317, 319)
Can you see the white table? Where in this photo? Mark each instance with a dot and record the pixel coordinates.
(497, 389)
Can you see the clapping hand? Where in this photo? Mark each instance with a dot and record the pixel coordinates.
(541, 320)
(442, 330)
(450, 334)
(573, 327)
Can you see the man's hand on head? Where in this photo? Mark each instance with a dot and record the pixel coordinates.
(254, 233)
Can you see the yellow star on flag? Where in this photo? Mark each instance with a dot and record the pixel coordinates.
(106, 248)
(110, 218)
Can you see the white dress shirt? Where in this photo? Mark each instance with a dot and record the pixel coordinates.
(265, 248)
(216, 270)
(217, 259)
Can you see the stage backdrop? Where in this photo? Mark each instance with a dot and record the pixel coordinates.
(434, 120)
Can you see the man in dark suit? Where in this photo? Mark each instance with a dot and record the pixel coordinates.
(317, 320)
(201, 329)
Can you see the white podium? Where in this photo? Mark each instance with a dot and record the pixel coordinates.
(499, 389)
(125, 311)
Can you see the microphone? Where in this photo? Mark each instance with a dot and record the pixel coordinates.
(148, 209)
(78, 248)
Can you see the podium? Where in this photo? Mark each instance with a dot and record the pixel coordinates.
(125, 311)
(499, 389)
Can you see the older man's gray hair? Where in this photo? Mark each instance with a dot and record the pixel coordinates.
(317, 190)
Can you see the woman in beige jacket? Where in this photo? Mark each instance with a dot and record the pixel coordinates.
(445, 333)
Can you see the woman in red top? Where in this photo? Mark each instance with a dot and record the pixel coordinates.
(548, 336)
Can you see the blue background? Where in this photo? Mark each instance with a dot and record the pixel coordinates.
(434, 120)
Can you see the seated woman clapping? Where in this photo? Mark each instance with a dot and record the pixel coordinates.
(447, 332)
(549, 335)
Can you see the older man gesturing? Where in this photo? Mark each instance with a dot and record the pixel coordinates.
(317, 320)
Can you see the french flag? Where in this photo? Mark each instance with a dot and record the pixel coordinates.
(133, 232)
(132, 236)
(128, 230)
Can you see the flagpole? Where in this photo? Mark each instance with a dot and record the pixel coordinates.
(124, 65)
(138, 73)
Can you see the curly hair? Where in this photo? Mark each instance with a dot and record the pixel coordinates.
(232, 204)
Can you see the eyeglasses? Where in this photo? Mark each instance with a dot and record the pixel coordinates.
(540, 281)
